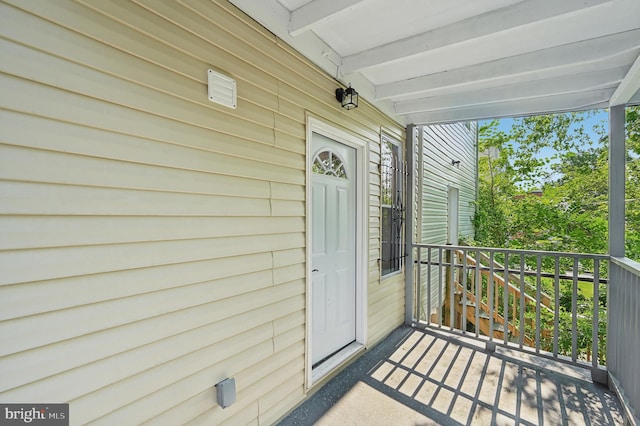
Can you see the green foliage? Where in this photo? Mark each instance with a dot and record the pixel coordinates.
(558, 158)
(496, 187)
(633, 183)
(544, 185)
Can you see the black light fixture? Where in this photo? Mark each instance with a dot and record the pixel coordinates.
(347, 97)
(455, 163)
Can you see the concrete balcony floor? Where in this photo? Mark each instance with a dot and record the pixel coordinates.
(427, 377)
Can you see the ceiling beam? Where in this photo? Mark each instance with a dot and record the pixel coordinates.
(316, 11)
(589, 81)
(547, 105)
(629, 86)
(622, 60)
(503, 19)
(583, 55)
(272, 15)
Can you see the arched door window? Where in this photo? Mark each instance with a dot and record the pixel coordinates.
(329, 163)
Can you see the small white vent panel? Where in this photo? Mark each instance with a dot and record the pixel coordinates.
(222, 89)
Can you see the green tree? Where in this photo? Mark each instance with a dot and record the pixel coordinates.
(633, 183)
(496, 186)
(557, 156)
(544, 185)
(545, 153)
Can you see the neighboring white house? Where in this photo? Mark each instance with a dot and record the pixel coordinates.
(449, 182)
(448, 175)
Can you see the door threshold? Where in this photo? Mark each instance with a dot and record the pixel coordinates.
(335, 361)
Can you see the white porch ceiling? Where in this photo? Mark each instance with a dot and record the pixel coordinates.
(427, 61)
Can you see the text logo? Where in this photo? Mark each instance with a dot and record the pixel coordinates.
(34, 414)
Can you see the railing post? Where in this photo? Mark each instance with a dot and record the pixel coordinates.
(522, 306)
(595, 324)
(463, 278)
(451, 280)
(429, 308)
(491, 297)
(505, 298)
(478, 294)
(538, 297)
(441, 285)
(556, 306)
(418, 287)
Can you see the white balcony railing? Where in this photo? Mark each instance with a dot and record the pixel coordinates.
(550, 303)
(623, 343)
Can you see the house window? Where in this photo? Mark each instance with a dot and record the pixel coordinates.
(392, 172)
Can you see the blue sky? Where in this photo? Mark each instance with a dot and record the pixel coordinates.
(600, 116)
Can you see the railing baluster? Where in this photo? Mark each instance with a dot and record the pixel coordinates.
(429, 307)
(440, 287)
(419, 284)
(463, 279)
(491, 295)
(574, 312)
(505, 298)
(596, 314)
(452, 272)
(556, 309)
(538, 285)
(478, 296)
(467, 275)
(522, 307)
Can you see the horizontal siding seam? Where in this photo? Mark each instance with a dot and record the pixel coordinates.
(121, 78)
(164, 191)
(257, 307)
(270, 146)
(134, 242)
(300, 76)
(137, 109)
(88, 274)
(165, 166)
(158, 366)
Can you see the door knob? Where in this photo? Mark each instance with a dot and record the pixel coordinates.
(314, 270)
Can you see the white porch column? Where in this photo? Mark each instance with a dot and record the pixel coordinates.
(617, 159)
(623, 290)
(409, 234)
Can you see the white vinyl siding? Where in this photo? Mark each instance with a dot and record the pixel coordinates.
(442, 144)
(152, 243)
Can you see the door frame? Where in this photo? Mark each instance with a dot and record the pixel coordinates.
(315, 125)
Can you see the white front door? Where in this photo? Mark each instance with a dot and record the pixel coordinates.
(333, 241)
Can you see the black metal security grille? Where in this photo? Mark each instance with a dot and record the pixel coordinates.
(392, 170)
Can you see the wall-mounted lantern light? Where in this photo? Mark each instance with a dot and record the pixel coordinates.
(348, 97)
(455, 163)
